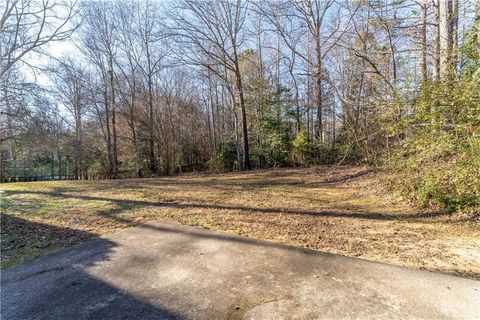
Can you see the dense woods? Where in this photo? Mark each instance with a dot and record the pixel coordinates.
(151, 88)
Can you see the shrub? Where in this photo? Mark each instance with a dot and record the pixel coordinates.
(225, 157)
(313, 152)
(302, 149)
(275, 143)
(439, 161)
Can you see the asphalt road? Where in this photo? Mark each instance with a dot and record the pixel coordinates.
(164, 271)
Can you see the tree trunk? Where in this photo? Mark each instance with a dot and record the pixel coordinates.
(114, 126)
(319, 132)
(307, 100)
(109, 138)
(318, 77)
(477, 19)
(151, 144)
(237, 134)
(334, 124)
(423, 43)
(454, 35)
(246, 151)
(436, 52)
(209, 126)
(237, 137)
(1, 159)
(212, 109)
(77, 146)
(52, 168)
(277, 79)
(59, 163)
(445, 10)
(138, 167)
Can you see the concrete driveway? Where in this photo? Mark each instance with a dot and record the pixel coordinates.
(164, 271)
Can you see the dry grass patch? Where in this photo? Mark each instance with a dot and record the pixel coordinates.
(344, 210)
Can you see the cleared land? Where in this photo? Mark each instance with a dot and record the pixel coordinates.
(343, 210)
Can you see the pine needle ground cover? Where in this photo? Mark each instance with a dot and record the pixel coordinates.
(342, 210)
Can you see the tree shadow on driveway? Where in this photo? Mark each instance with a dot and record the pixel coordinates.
(56, 286)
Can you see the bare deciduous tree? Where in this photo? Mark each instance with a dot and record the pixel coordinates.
(214, 32)
(29, 25)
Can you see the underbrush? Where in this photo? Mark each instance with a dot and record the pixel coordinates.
(438, 164)
(449, 185)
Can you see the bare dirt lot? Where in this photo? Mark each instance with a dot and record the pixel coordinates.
(342, 210)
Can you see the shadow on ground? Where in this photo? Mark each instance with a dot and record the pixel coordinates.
(251, 180)
(66, 290)
(123, 205)
(163, 271)
(23, 239)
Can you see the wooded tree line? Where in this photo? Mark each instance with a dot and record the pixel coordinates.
(163, 87)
